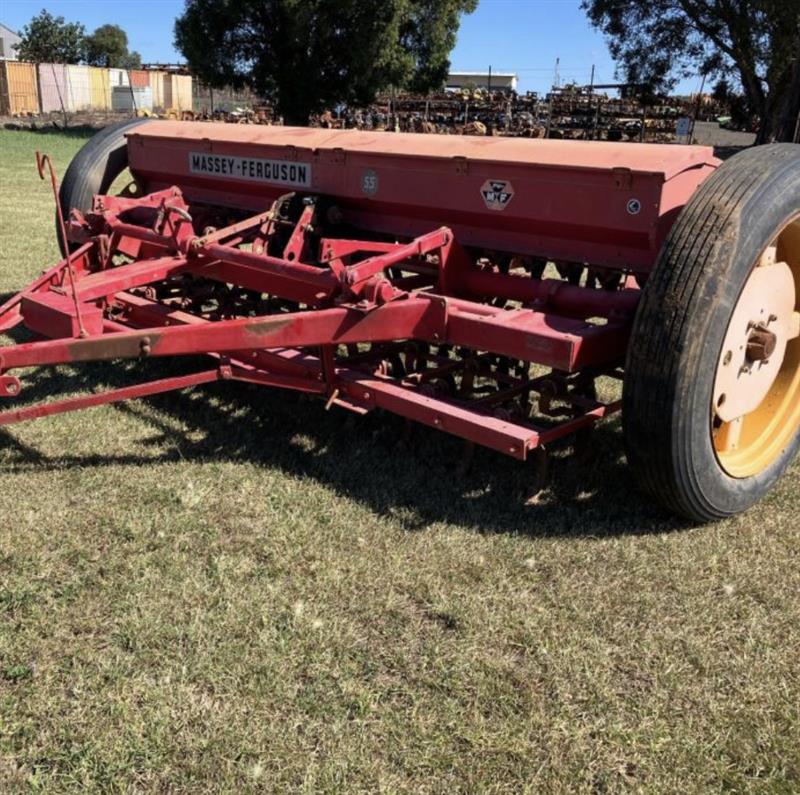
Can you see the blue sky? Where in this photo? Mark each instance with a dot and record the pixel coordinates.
(522, 36)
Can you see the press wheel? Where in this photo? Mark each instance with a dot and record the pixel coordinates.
(711, 403)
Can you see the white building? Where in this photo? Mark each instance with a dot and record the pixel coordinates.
(497, 81)
(7, 41)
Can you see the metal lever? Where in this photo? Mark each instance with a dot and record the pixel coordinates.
(41, 161)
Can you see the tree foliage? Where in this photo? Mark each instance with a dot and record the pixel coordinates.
(306, 55)
(52, 40)
(49, 39)
(108, 46)
(755, 43)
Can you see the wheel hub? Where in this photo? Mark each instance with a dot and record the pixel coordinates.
(756, 398)
(754, 346)
(761, 344)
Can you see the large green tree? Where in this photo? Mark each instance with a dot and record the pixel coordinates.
(49, 39)
(108, 46)
(306, 55)
(754, 43)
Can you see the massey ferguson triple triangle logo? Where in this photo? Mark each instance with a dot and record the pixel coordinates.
(497, 193)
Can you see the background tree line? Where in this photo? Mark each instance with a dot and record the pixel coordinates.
(307, 55)
(751, 48)
(49, 39)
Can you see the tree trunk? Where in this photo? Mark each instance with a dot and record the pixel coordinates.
(782, 108)
(295, 112)
(788, 110)
(765, 126)
(758, 102)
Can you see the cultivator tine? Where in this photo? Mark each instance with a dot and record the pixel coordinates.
(467, 459)
(406, 437)
(539, 468)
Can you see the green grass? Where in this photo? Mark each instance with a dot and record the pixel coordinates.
(232, 590)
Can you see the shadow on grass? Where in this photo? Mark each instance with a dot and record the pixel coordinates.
(56, 127)
(362, 458)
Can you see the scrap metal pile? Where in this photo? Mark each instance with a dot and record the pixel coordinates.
(569, 112)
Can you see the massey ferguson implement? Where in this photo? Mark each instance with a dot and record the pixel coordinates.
(477, 286)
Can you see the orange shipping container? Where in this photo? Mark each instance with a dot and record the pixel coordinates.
(139, 78)
(18, 88)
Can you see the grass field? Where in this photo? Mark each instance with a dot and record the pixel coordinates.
(232, 590)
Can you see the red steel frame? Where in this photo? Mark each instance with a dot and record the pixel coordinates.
(390, 309)
(92, 308)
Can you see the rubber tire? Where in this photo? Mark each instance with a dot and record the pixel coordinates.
(680, 327)
(98, 163)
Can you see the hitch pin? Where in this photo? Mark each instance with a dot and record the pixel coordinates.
(41, 161)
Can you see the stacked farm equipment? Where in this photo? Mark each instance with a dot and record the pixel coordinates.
(570, 112)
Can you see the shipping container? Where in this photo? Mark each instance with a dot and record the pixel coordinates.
(131, 99)
(79, 88)
(100, 85)
(157, 85)
(18, 88)
(182, 92)
(138, 78)
(53, 87)
(119, 77)
(166, 97)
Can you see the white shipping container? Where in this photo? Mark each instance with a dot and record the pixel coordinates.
(78, 88)
(119, 77)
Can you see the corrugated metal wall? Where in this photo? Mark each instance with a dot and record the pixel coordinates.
(139, 78)
(100, 85)
(53, 87)
(119, 77)
(182, 92)
(157, 85)
(49, 88)
(19, 91)
(129, 98)
(79, 87)
(167, 83)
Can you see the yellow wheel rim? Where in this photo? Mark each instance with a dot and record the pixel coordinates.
(755, 412)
